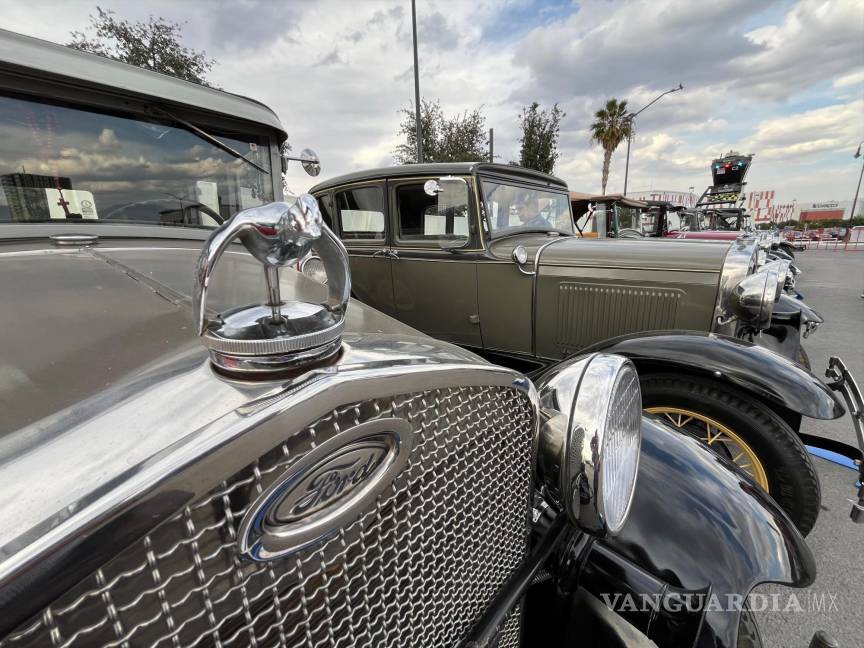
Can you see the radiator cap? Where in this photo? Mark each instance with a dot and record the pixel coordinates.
(258, 340)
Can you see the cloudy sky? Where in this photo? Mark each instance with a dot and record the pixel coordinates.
(783, 80)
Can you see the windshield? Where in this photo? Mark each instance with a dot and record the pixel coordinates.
(685, 221)
(630, 218)
(61, 163)
(511, 209)
(719, 220)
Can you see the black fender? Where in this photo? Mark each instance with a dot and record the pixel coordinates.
(769, 376)
(787, 307)
(697, 524)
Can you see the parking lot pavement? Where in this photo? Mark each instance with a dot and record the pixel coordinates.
(831, 283)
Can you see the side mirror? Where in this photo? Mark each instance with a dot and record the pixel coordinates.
(308, 160)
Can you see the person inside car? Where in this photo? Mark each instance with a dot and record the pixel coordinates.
(529, 213)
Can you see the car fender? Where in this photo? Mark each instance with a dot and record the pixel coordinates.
(697, 523)
(788, 306)
(759, 371)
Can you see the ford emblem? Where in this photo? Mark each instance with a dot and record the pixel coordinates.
(326, 490)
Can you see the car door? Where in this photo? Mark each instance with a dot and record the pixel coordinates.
(435, 289)
(360, 215)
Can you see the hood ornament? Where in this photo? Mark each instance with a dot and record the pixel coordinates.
(277, 335)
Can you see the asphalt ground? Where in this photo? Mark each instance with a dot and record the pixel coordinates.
(832, 283)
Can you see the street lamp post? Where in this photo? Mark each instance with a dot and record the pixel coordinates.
(418, 129)
(633, 116)
(858, 188)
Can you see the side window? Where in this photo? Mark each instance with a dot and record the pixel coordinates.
(361, 213)
(325, 202)
(443, 215)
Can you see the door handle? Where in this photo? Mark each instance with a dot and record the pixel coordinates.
(389, 254)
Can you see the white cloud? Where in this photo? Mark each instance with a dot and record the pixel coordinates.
(824, 130)
(817, 40)
(736, 76)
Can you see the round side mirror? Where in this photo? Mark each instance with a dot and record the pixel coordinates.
(431, 188)
(310, 162)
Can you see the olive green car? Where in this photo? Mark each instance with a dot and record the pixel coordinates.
(486, 256)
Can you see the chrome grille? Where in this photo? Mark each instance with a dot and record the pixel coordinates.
(415, 570)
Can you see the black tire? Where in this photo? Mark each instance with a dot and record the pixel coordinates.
(792, 479)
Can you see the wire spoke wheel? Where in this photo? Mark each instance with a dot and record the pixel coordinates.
(718, 437)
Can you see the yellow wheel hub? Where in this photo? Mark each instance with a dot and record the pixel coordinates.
(719, 437)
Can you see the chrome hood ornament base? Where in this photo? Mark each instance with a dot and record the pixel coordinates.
(277, 335)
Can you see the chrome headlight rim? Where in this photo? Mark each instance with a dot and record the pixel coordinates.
(741, 260)
(781, 267)
(312, 266)
(754, 297)
(590, 440)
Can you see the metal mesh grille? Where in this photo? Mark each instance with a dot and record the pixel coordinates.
(415, 570)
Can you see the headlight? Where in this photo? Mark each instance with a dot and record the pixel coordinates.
(313, 267)
(590, 438)
(781, 267)
(752, 300)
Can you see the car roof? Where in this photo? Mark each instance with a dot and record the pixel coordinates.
(578, 196)
(441, 168)
(45, 60)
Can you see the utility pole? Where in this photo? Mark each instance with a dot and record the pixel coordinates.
(858, 188)
(491, 144)
(631, 117)
(416, 86)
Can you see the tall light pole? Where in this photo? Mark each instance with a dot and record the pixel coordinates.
(858, 188)
(633, 116)
(416, 86)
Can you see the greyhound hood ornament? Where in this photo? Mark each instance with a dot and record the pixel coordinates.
(277, 335)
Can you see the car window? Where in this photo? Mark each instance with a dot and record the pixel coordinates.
(59, 162)
(514, 208)
(443, 215)
(361, 213)
(325, 202)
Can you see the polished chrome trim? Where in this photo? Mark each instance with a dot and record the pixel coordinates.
(231, 424)
(534, 281)
(264, 535)
(576, 400)
(739, 262)
(631, 267)
(276, 235)
(74, 239)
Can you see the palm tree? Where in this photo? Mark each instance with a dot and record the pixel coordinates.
(612, 126)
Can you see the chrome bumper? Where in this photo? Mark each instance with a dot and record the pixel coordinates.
(841, 380)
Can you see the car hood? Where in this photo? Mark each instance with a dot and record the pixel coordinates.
(77, 323)
(635, 253)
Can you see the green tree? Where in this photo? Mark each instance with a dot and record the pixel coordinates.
(539, 141)
(153, 45)
(461, 138)
(611, 126)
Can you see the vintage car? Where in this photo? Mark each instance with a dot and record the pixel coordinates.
(485, 256)
(201, 447)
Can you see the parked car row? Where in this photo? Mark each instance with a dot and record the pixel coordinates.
(457, 424)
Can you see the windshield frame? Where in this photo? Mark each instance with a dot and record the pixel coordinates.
(492, 234)
(113, 102)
